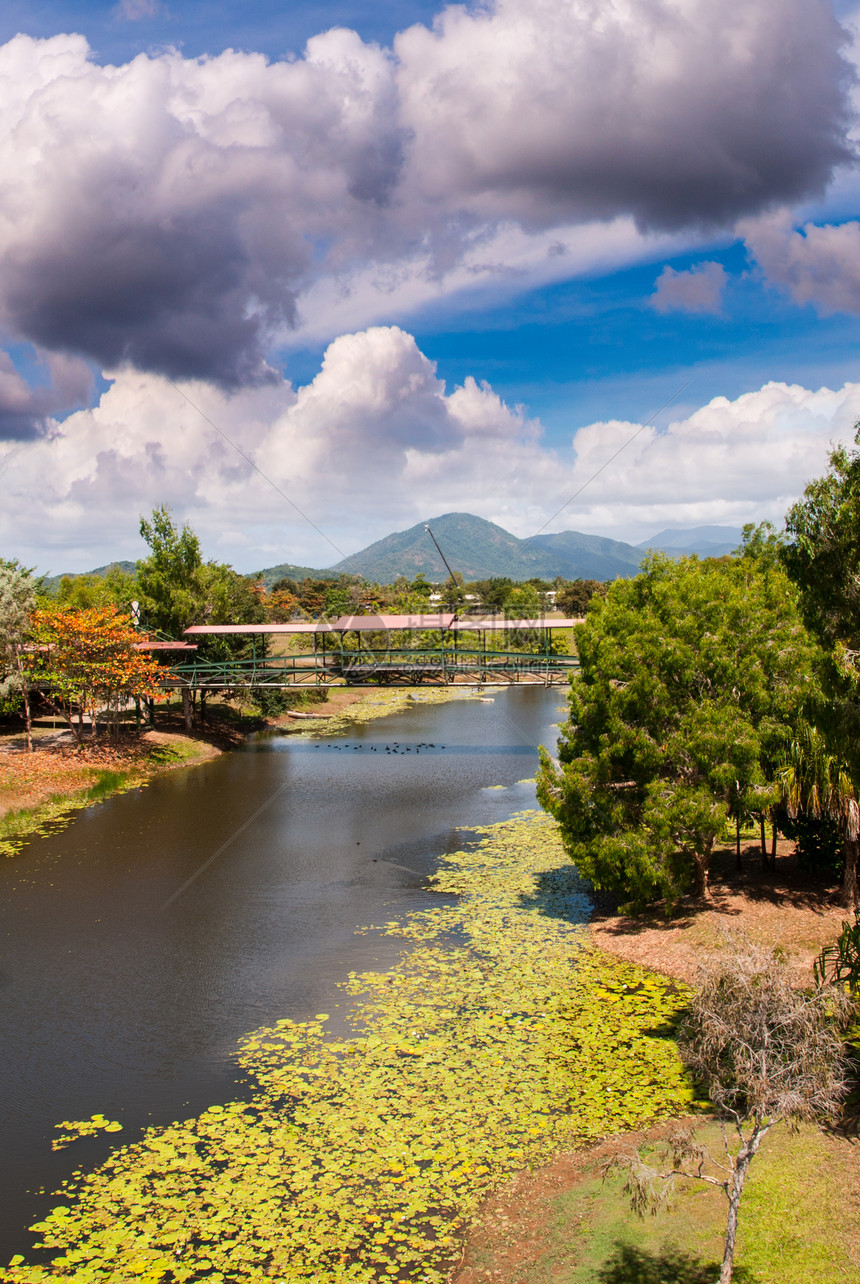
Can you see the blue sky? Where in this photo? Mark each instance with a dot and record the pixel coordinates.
(416, 271)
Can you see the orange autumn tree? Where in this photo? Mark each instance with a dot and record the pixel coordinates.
(86, 661)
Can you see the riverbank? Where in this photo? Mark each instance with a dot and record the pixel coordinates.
(564, 1222)
(567, 1223)
(468, 1059)
(43, 789)
(780, 908)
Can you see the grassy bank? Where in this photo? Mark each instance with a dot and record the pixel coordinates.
(499, 1038)
(568, 1225)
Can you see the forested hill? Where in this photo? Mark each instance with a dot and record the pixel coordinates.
(481, 550)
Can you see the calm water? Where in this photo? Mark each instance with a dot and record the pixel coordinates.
(120, 996)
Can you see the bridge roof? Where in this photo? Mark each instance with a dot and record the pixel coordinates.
(295, 626)
(498, 624)
(440, 620)
(388, 624)
(343, 624)
(165, 646)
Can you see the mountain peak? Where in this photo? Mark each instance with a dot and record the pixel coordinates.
(480, 549)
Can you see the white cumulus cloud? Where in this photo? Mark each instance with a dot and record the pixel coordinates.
(377, 442)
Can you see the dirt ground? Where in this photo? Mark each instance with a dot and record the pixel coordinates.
(58, 766)
(781, 907)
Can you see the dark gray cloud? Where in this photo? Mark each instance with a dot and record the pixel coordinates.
(818, 265)
(169, 299)
(171, 214)
(681, 114)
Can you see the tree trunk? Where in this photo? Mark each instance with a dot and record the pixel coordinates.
(186, 709)
(738, 862)
(25, 693)
(67, 713)
(744, 1159)
(773, 844)
(701, 864)
(28, 719)
(849, 873)
(763, 840)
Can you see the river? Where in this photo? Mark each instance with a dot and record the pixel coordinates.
(140, 942)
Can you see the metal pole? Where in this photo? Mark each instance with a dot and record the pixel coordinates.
(439, 551)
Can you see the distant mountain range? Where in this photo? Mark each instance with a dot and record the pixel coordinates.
(52, 582)
(704, 541)
(480, 550)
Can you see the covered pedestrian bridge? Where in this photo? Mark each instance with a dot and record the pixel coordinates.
(381, 650)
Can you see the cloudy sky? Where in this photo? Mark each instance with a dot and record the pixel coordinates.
(310, 273)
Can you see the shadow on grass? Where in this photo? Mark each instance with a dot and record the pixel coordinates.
(629, 1265)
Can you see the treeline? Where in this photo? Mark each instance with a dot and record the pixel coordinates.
(717, 693)
(174, 588)
(78, 648)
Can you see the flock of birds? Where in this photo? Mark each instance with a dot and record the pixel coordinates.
(394, 747)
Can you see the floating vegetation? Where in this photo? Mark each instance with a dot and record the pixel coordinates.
(498, 1038)
(76, 1128)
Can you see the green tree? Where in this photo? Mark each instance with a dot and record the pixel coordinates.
(822, 555)
(170, 579)
(453, 592)
(493, 592)
(17, 603)
(691, 676)
(114, 588)
(572, 598)
(178, 589)
(524, 602)
(816, 786)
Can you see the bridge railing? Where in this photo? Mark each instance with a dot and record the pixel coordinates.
(391, 665)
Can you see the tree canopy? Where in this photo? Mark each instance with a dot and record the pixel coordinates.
(178, 589)
(87, 660)
(17, 602)
(822, 555)
(691, 675)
